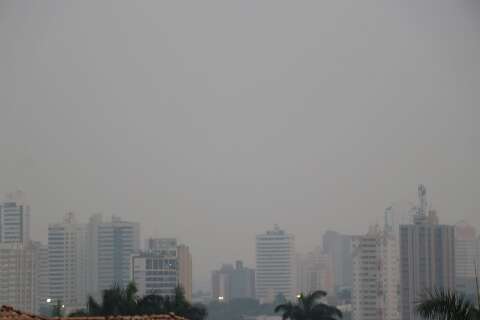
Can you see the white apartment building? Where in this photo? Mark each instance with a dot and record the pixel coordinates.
(18, 275)
(155, 273)
(375, 290)
(67, 262)
(162, 267)
(275, 265)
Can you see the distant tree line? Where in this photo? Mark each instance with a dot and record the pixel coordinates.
(125, 301)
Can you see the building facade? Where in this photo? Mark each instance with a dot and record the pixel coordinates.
(466, 258)
(427, 257)
(231, 282)
(42, 285)
(14, 218)
(375, 290)
(185, 270)
(18, 276)
(67, 262)
(162, 267)
(338, 246)
(110, 246)
(275, 265)
(315, 272)
(155, 273)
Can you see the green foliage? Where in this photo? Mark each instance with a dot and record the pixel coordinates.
(57, 310)
(309, 307)
(237, 309)
(125, 301)
(446, 305)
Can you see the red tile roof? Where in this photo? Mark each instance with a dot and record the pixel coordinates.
(8, 313)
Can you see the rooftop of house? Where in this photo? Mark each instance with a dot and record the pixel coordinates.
(9, 313)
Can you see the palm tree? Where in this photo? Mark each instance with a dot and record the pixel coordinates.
(115, 301)
(444, 304)
(125, 301)
(309, 307)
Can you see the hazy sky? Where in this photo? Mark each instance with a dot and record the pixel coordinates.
(211, 121)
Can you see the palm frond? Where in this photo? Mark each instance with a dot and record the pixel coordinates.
(445, 304)
(324, 311)
(287, 310)
(309, 301)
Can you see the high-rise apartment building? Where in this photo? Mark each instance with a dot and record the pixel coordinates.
(67, 262)
(14, 218)
(338, 247)
(233, 282)
(162, 267)
(110, 246)
(466, 258)
(18, 275)
(315, 272)
(275, 265)
(155, 273)
(427, 257)
(375, 290)
(42, 283)
(23, 263)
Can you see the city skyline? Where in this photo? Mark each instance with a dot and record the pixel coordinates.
(83, 259)
(231, 118)
(143, 238)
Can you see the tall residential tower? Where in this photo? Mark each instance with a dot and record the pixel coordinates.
(14, 218)
(110, 246)
(427, 257)
(375, 293)
(67, 262)
(275, 265)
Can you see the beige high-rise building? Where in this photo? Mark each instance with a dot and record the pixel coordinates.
(185, 270)
(465, 258)
(18, 276)
(315, 272)
(42, 284)
(376, 275)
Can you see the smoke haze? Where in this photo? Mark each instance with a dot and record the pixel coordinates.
(211, 121)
